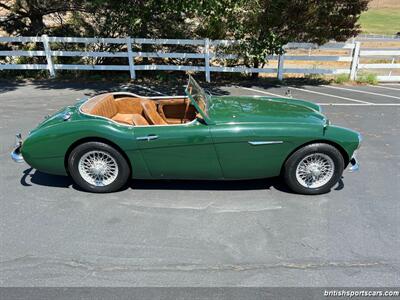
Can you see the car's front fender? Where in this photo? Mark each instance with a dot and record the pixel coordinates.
(348, 139)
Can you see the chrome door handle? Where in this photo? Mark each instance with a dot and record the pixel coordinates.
(147, 138)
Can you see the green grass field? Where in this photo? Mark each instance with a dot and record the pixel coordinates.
(380, 21)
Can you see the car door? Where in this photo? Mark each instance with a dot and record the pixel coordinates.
(179, 151)
(247, 151)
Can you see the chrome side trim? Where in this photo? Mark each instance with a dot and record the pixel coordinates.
(258, 143)
(147, 138)
(146, 97)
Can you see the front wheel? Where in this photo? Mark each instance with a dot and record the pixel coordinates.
(314, 169)
(97, 167)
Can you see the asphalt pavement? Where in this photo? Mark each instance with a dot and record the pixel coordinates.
(199, 233)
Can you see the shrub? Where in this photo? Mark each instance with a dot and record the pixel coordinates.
(342, 78)
(368, 78)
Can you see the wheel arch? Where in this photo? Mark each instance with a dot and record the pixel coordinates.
(95, 139)
(345, 156)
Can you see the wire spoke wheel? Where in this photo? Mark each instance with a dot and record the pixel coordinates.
(98, 168)
(315, 170)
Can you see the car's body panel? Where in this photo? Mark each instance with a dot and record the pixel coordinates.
(237, 138)
(182, 151)
(47, 146)
(241, 159)
(346, 138)
(262, 109)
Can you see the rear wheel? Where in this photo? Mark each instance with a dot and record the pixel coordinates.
(98, 167)
(314, 169)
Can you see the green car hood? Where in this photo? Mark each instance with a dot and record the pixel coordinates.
(226, 109)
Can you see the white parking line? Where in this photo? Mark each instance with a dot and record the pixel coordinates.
(395, 84)
(359, 91)
(385, 87)
(363, 103)
(262, 92)
(329, 95)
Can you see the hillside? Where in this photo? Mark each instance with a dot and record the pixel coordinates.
(383, 17)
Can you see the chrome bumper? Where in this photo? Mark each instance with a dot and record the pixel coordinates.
(16, 155)
(354, 163)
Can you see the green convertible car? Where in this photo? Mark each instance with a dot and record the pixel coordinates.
(104, 141)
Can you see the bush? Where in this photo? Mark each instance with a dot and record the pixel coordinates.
(368, 78)
(342, 78)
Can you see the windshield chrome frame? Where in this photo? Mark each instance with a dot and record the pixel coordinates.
(194, 102)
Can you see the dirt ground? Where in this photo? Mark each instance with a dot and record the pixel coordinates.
(384, 3)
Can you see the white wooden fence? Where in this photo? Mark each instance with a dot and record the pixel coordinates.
(385, 55)
(207, 51)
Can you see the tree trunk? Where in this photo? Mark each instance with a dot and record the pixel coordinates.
(256, 64)
(37, 25)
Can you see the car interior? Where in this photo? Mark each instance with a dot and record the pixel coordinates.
(138, 111)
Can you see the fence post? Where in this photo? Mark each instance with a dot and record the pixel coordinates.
(131, 58)
(281, 60)
(47, 50)
(207, 59)
(355, 60)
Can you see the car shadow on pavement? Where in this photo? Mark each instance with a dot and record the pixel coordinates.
(33, 177)
(210, 185)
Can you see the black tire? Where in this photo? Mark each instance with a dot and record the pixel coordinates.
(119, 178)
(290, 168)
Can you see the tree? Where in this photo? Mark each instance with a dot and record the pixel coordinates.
(26, 17)
(263, 27)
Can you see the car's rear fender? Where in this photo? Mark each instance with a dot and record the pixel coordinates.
(47, 148)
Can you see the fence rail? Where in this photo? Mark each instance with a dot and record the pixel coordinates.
(206, 50)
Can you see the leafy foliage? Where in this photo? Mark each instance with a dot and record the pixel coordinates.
(26, 17)
(368, 78)
(262, 27)
(342, 78)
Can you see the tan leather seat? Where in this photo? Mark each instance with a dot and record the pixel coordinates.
(131, 119)
(139, 120)
(176, 111)
(125, 111)
(131, 111)
(101, 105)
(150, 112)
(172, 110)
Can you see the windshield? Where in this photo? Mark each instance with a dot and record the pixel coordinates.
(197, 95)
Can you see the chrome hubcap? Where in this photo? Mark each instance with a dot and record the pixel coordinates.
(315, 170)
(98, 168)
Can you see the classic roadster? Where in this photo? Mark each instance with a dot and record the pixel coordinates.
(104, 141)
